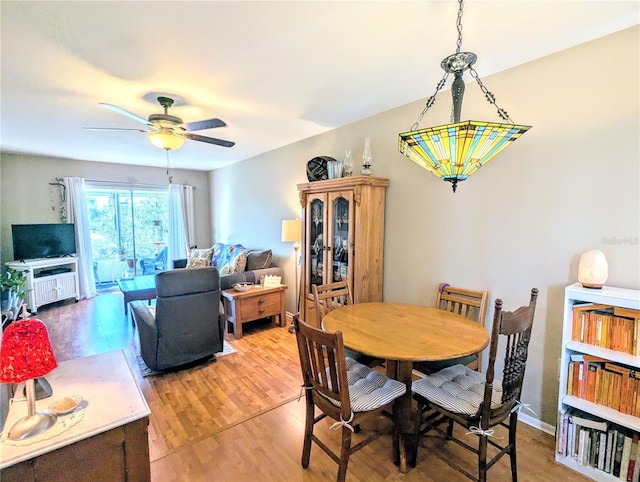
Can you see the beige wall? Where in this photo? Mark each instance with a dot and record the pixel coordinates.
(27, 196)
(569, 185)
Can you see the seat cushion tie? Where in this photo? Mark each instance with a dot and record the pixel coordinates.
(303, 387)
(479, 431)
(520, 406)
(343, 423)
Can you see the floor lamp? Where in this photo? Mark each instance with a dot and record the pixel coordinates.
(292, 233)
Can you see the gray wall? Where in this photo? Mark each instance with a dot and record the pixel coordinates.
(567, 186)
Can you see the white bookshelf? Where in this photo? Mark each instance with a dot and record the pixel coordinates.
(576, 294)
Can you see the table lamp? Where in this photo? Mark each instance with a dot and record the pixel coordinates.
(25, 354)
(593, 269)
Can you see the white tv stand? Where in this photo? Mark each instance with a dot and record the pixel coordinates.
(49, 280)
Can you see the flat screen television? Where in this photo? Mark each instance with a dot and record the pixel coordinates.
(32, 241)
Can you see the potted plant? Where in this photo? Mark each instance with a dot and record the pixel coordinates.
(121, 253)
(12, 291)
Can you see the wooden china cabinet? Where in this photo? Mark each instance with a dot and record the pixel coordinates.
(343, 237)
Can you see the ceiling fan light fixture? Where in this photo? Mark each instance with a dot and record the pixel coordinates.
(166, 139)
(167, 131)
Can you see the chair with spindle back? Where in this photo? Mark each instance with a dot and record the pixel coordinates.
(479, 403)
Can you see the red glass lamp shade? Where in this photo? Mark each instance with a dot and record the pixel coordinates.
(26, 352)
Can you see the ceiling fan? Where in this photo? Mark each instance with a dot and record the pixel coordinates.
(167, 131)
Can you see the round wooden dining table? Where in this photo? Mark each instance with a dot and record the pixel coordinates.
(401, 334)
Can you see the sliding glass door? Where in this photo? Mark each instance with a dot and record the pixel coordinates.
(126, 225)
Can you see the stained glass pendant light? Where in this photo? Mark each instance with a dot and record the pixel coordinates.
(455, 151)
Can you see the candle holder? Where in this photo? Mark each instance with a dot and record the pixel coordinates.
(365, 170)
(347, 163)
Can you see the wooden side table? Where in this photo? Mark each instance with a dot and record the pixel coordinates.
(255, 303)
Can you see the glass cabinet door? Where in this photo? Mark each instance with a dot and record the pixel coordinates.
(316, 242)
(341, 240)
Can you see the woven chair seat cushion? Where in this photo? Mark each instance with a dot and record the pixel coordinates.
(369, 389)
(457, 389)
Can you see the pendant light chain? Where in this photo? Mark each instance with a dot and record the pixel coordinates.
(430, 101)
(490, 97)
(170, 177)
(459, 25)
(487, 93)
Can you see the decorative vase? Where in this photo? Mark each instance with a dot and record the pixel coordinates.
(339, 169)
(331, 169)
(365, 170)
(347, 164)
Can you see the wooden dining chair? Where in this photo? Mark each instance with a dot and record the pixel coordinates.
(459, 395)
(346, 391)
(327, 298)
(471, 304)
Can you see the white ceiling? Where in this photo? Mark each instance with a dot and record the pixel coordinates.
(276, 72)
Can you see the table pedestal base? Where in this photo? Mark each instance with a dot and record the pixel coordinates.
(404, 412)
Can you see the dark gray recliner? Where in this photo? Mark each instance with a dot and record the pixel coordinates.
(187, 325)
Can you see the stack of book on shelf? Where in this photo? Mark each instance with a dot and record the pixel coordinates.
(596, 443)
(600, 381)
(607, 326)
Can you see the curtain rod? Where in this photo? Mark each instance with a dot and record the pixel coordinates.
(129, 184)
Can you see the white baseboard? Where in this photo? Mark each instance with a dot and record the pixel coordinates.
(535, 423)
(289, 318)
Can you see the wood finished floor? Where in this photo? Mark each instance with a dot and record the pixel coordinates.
(239, 418)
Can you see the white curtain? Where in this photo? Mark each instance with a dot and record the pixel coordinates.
(181, 221)
(77, 214)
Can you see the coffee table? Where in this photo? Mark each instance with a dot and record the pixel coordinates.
(138, 288)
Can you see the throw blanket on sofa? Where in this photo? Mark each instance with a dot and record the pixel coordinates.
(235, 263)
(229, 258)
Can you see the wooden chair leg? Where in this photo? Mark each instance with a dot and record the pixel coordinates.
(345, 451)
(308, 433)
(513, 424)
(396, 435)
(482, 459)
(413, 456)
(450, 428)
(396, 445)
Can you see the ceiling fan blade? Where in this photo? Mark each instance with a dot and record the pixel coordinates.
(210, 140)
(121, 111)
(112, 129)
(204, 124)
